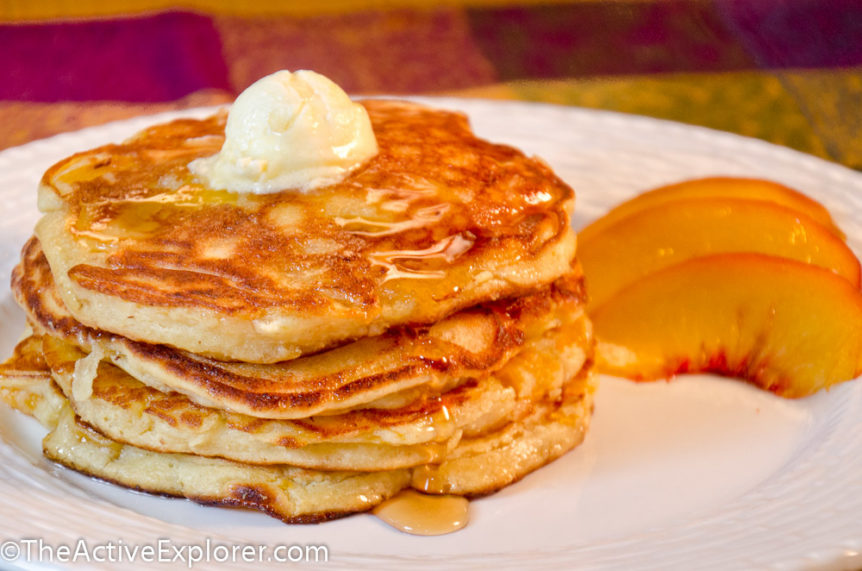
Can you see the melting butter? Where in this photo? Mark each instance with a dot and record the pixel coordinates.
(295, 131)
(424, 514)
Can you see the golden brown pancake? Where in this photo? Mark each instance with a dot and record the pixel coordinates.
(418, 324)
(483, 464)
(424, 431)
(25, 382)
(438, 221)
(291, 494)
(478, 466)
(125, 410)
(390, 370)
(296, 495)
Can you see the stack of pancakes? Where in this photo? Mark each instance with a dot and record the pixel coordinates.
(419, 324)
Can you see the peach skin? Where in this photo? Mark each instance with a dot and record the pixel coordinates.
(715, 187)
(663, 235)
(786, 326)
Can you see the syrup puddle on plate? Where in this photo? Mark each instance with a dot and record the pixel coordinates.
(422, 514)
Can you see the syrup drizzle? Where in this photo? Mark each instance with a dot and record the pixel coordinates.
(422, 514)
(396, 262)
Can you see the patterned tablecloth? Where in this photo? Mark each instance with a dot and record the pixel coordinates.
(787, 71)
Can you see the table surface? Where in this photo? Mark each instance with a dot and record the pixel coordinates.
(786, 71)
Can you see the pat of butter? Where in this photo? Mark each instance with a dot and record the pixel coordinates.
(295, 131)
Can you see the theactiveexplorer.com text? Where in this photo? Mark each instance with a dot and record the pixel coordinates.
(162, 550)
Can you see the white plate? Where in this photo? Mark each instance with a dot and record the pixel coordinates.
(699, 473)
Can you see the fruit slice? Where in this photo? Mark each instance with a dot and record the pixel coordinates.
(788, 327)
(663, 235)
(714, 187)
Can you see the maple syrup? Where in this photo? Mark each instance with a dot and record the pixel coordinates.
(423, 514)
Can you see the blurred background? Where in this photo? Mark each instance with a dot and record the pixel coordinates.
(786, 71)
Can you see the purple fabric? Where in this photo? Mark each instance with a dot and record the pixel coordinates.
(155, 58)
(166, 56)
(798, 33)
(614, 38)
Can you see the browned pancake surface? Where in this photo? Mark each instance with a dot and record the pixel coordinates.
(437, 221)
(385, 371)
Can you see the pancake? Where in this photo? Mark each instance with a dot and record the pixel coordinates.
(419, 323)
(390, 370)
(295, 495)
(25, 383)
(122, 408)
(478, 465)
(291, 494)
(369, 439)
(484, 464)
(439, 220)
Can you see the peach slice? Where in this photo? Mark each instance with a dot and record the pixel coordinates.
(788, 327)
(713, 187)
(666, 234)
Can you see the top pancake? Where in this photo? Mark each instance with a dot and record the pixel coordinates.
(439, 220)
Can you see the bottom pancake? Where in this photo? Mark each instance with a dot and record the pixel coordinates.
(477, 466)
(294, 495)
(297, 495)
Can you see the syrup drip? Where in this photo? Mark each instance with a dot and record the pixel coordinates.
(446, 251)
(423, 514)
(423, 218)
